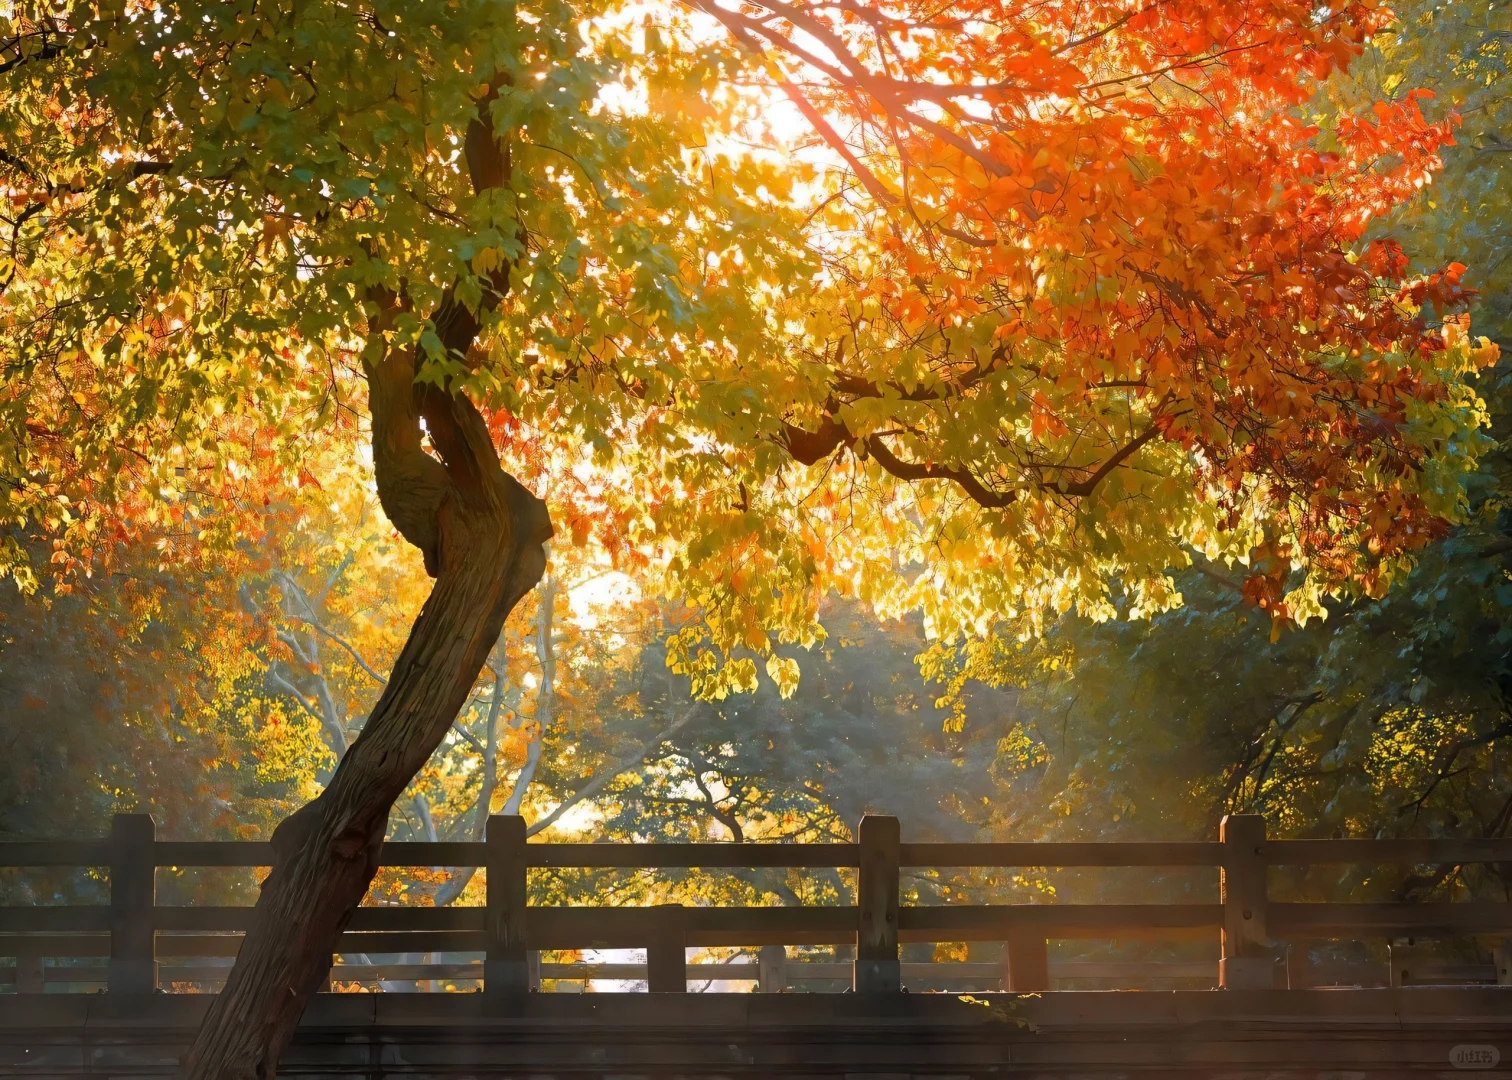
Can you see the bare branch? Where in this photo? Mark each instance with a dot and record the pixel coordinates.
(357, 656)
(53, 44)
(595, 782)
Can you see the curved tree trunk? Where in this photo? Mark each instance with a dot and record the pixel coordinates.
(326, 853)
(482, 537)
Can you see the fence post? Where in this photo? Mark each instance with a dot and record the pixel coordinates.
(1246, 961)
(667, 952)
(133, 892)
(1503, 958)
(771, 969)
(31, 975)
(1298, 966)
(876, 968)
(506, 967)
(1402, 958)
(1026, 962)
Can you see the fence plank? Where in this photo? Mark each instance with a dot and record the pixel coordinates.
(54, 919)
(381, 941)
(30, 975)
(877, 969)
(239, 919)
(55, 944)
(682, 856)
(1372, 852)
(1353, 921)
(388, 929)
(997, 922)
(81, 853)
(449, 853)
(132, 895)
(232, 853)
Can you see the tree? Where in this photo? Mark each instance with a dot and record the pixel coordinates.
(860, 734)
(133, 689)
(1094, 302)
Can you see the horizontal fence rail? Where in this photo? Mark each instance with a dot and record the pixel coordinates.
(1260, 942)
(979, 975)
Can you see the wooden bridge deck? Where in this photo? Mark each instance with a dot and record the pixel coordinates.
(1379, 1034)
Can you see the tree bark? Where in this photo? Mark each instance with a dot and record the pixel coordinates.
(482, 535)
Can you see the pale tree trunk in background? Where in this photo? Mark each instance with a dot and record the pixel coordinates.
(309, 679)
(545, 699)
(481, 534)
(454, 885)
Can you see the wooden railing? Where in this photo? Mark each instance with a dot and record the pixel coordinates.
(136, 933)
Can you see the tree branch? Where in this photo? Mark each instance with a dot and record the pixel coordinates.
(725, 818)
(908, 470)
(332, 728)
(454, 886)
(468, 737)
(594, 782)
(53, 44)
(743, 34)
(1089, 485)
(357, 656)
(544, 700)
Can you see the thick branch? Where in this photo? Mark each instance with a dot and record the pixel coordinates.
(1089, 485)
(811, 447)
(908, 470)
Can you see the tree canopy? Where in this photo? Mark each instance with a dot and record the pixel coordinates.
(1054, 324)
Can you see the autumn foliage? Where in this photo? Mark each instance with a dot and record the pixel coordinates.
(984, 310)
(1107, 241)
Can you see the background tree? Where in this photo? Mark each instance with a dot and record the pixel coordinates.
(1459, 52)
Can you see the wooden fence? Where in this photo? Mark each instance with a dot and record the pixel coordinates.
(137, 934)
